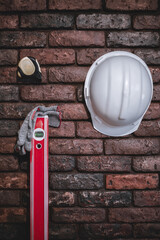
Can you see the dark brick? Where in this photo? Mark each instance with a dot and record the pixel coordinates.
(132, 4)
(80, 95)
(156, 91)
(13, 180)
(147, 230)
(75, 146)
(9, 93)
(147, 198)
(134, 214)
(61, 163)
(8, 163)
(155, 71)
(150, 56)
(7, 145)
(74, 5)
(105, 199)
(45, 20)
(67, 129)
(8, 57)
(103, 21)
(11, 198)
(12, 231)
(20, 5)
(8, 128)
(132, 181)
(105, 230)
(78, 215)
(73, 111)
(146, 22)
(129, 39)
(85, 129)
(9, 21)
(67, 74)
(8, 75)
(148, 128)
(153, 112)
(132, 146)
(30, 39)
(146, 164)
(76, 181)
(76, 38)
(12, 215)
(61, 199)
(104, 163)
(62, 231)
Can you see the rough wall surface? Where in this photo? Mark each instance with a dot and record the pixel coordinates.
(100, 187)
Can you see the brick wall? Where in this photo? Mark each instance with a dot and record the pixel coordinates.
(100, 187)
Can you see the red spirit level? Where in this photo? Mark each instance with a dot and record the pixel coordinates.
(39, 181)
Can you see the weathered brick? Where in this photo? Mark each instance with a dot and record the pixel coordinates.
(105, 198)
(20, 5)
(62, 231)
(104, 163)
(78, 215)
(45, 20)
(8, 57)
(8, 128)
(11, 198)
(9, 93)
(74, 5)
(8, 163)
(147, 230)
(132, 146)
(61, 199)
(156, 91)
(132, 4)
(67, 129)
(105, 230)
(103, 21)
(80, 94)
(134, 214)
(54, 56)
(76, 38)
(8, 75)
(75, 146)
(153, 111)
(150, 56)
(155, 71)
(85, 129)
(147, 198)
(148, 128)
(76, 181)
(13, 180)
(61, 163)
(69, 74)
(73, 111)
(7, 145)
(132, 181)
(9, 21)
(13, 231)
(48, 93)
(146, 22)
(129, 39)
(12, 215)
(146, 164)
(30, 39)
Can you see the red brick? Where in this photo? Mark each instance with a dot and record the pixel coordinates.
(155, 71)
(74, 5)
(61, 163)
(132, 181)
(62, 231)
(12, 215)
(132, 4)
(78, 215)
(146, 22)
(147, 230)
(9, 21)
(9, 198)
(8, 75)
(147, 198)
(54, 56)
(76, 146)
(8, 57)
(7, 145)
(150, 56)
(30, 39)
(61, 199)
(134, 214)
(146, 164)
(153, 111)
(76, 38)
(67, 129)
(9, 93)
(50, 92)
(85, 129)
(104, 163)
(148, 128)
(73, 111)
(69, 74)
(13, 180)
(156, 91)
(80, 94)
(20, 5)
(8, 163)
(132, 146)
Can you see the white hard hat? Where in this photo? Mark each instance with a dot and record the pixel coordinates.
(118, 91)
